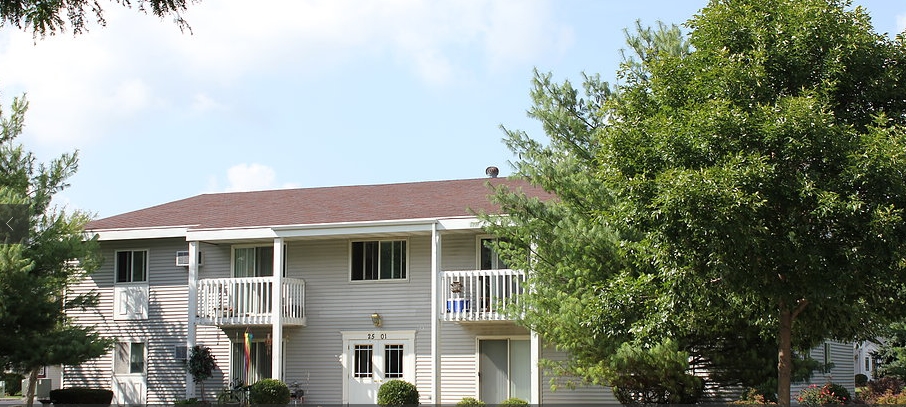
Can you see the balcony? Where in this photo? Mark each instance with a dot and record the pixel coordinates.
(483, 295)
(249, 301)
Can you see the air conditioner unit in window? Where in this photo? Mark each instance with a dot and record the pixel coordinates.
(182, 258)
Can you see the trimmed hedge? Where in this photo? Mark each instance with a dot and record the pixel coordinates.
(81, 395)
(269, 391)
(397, 393)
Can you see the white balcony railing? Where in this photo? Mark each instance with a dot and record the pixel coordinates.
(484, 295)
(248, 301)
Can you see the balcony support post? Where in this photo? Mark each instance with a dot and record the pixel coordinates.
(192, 312)
(277, 312)
(435, 318)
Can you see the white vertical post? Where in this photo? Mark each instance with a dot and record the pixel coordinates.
(435, 319)
(277, 312)
(536, 369)
(192, 311)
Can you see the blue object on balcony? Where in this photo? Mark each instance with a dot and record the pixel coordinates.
(458, 305)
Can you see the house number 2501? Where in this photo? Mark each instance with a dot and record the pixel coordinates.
(374, 336)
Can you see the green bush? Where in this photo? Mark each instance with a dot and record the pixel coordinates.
(81, 395)
(397, 393)
(13, 383)
(469, 402)
(861, 380)
(269, 391)
(830, 393)
(514, 401)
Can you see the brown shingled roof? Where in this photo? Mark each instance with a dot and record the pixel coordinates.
(362, 203)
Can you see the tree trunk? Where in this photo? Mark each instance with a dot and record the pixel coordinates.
(784, 356)
(32, 386)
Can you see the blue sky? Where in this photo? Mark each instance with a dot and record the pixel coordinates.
(308, 93)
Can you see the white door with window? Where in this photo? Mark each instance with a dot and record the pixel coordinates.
(372, 358)
(129, 364)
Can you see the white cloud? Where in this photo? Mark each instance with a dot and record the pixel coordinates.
(901, 23)
(204, 103)
(83, 87)
(253, 177)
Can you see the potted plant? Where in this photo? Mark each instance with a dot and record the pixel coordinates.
(456, 303)
(201, 365)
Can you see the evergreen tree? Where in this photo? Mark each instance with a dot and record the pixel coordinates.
(35, 271)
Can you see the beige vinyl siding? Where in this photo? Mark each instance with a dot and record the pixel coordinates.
(842, 372)
(570, 390)
(164, 329)
(335, 304)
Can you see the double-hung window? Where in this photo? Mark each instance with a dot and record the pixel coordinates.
(131, 266)
(378, 260)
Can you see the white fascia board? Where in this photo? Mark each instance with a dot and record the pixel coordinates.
(356, 228)
(137, 234)
(206, 235)
(312, 230)
(463, 223)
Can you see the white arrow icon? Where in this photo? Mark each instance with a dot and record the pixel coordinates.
(7, 224)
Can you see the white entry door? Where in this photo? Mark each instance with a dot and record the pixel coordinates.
(371, 359)
(129, 364)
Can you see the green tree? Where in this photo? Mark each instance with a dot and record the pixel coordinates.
(201, 365)
(892, 352)
(35, 272)
(752, 188)
(44, 17)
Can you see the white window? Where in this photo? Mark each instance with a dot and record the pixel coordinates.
(131, 292)
(129, 358)
(378, 260)
(131, 266)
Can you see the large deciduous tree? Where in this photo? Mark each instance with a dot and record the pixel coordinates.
(750, 189)
(35, 271)
(49, 17)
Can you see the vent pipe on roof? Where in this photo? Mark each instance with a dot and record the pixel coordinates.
(492, 171)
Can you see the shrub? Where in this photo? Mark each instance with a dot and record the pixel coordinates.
(754, 396)
(861, 380)
(880, 387)
(13, 383)
(397, 393)
(890, 398)
(81, 395)
(269, 391)
(830, 393)
(514, 401)
(192, 400)
(469, 402)
(839, 392)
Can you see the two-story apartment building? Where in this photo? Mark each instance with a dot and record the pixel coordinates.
(338, 289)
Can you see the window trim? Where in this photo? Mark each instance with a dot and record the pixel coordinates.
(116, 270)
(378, 280)
(252, 245)
(129, 343)
(479, 246)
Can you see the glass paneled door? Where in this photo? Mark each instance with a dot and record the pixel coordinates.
(504, 369)
(372, 358)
